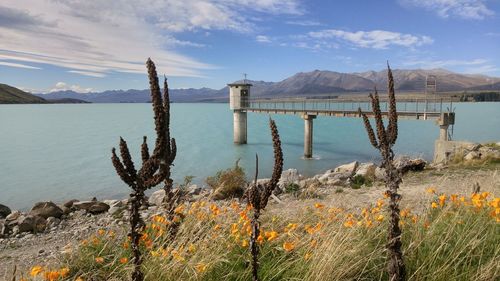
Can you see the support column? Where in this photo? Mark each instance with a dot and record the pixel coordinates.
(445, 120)
(240, 127)
(308, 135)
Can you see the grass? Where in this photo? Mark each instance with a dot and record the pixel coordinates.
(456, 238)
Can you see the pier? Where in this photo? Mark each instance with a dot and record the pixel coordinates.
(428, 108)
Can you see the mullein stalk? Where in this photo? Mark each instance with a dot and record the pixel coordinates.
(155, 167)
(258, 196)
(386, 140)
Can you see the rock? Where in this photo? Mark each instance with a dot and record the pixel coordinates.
(46, 209)
(12, 217)
(98, 208)
(471, 146)
(65, 210)
(289, 176)
(83, 205)
(380, 173)
(157, 197)
(405, 164)
(70, 203)
(366, 170)
(472, 156)
(347, 168)
(194, 190)
(31, 223)
(4, 211)
(486, 152)
(3, 229)
(51, 222)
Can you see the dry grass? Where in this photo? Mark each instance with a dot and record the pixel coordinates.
(456, 238)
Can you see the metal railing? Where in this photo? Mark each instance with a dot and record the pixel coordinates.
(413, 105)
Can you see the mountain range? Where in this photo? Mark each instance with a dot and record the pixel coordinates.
(314, 83)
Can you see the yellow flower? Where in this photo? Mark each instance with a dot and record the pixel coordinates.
(434, 205)
(201, 267)
(101, 231)
(380, 203)
(35, 270)
(192, 248)
(318, 206)
(442, 200)
(155, 253)
(380, 218)
(368, 223)
(307, 256)
(414, 219)
(179, 209)
(387, 194)
(99, 259)
(64, 271)
(79, 279)
(314, 243)
(244, 243)
(123, 260)
(349, 223)
(271, 235)
(288, 246)
(260, 238)
(431, 190)
(51, 275)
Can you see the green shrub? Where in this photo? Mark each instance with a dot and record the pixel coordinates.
(228, 183)
(358, 181)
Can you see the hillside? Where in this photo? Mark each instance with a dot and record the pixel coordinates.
(11, 95)
(317, 82)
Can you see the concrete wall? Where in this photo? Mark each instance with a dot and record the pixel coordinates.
(444, 151)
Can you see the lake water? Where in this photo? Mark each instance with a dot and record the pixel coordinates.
(59, 152)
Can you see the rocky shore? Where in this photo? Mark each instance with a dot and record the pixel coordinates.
(50, 230)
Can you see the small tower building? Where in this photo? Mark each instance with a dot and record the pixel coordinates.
(239, 94)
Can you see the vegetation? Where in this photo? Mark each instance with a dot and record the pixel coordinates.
(155, 168)
(480, 97)
(258, 195)
(455, 238)
(9, 94)
(386, 139)
(229, 183)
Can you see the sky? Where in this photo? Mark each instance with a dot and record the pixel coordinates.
(97, 45)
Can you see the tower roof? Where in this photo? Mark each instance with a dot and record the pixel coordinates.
(239, 84)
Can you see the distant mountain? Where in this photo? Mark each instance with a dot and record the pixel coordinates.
(9, 94)
(317, 82)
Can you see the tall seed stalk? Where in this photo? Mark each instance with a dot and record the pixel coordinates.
(155, 167)
(258, 196)
(386, 139)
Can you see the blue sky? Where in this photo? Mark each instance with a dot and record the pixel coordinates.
(99, 45)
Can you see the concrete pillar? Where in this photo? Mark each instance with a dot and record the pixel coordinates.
(443, 132)
(445, 120)
(240, 127)
(308, 135)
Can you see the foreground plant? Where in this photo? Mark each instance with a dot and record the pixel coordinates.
(258, 196)
(386, 139)
(155, 167)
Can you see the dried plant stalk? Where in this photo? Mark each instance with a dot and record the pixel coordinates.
(258, 196)
(155, 167)
(386, 139)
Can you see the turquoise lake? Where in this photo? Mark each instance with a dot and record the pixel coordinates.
(60, 152)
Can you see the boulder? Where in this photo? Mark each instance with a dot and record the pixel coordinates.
(405, 164)
(366, 170)
(4, 211)
(347, 168)
(70, 203)
(472, 156)
(51, 222)
(380, 174)
(98, 208)
(12, 218)
(288, 176)
(157, 197)
(3, 229)
(193, 190)
(46, 209)
(29, 223)
(83, 205)
(486, 152)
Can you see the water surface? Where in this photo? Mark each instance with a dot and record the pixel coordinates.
(59, 152)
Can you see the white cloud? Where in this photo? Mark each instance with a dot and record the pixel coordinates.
(263, 39)
(304, 23)
(474, 66)
(466, 9)
(61, 86)
(95, 38)
(18, 65)
(445, 63)
(377, 39)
